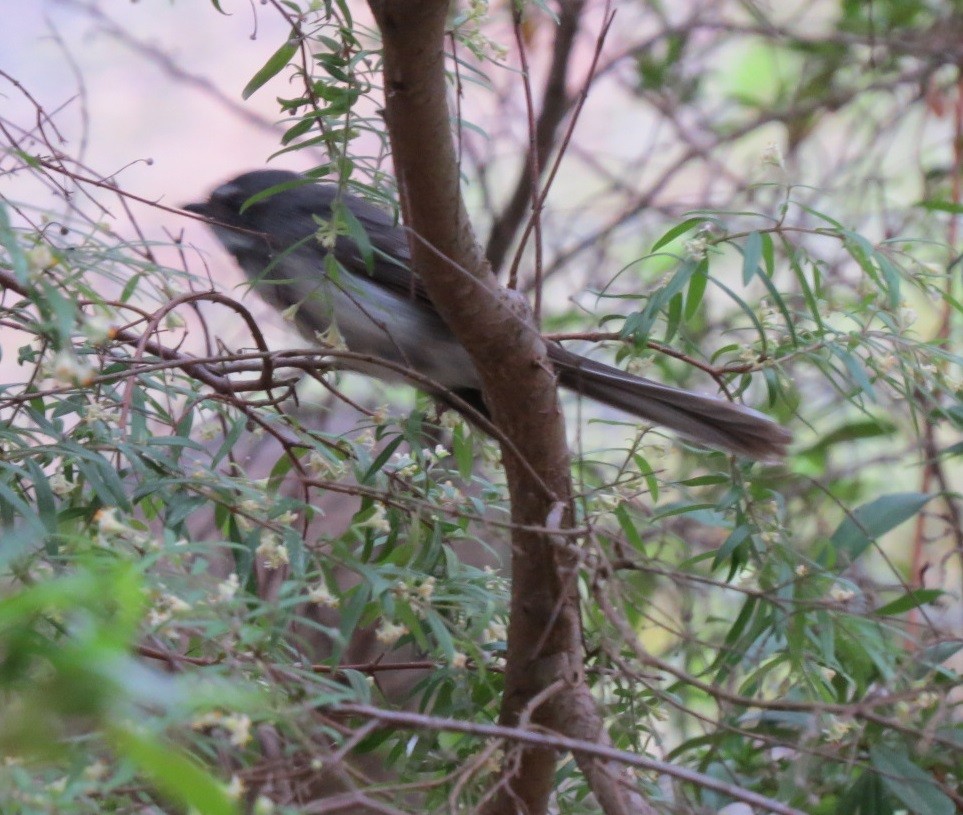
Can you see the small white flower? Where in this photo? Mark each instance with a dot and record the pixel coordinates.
(608, 501)
(97, 329)
(380, 415)
(319, 595)
(209, 431)
(109, 524)
(377, 521)
(164, 608)
(290, 314)
(235, 789)
(59, 485)
(331, 338)
(697, 247)
(772, 156)
(426, 588)
(451, 495)
(95, 771)
(272, 552)
(327, 235)
(493, 764)
(927, 699)
(249, 506)
(238, 726)
(451, 420)
(404, 464)
(390, 633)
(836, 729)
(39, 259)
(226, 589)
(264, 806)
(287, 518)
(67, 369)
(323, 467)
(841, 594)
(176, 604)
(459, 660)
(886, 363)
(100, 412)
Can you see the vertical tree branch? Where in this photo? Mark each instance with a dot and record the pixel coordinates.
(554, 105)
(495, 326)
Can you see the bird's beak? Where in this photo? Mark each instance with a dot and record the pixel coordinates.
(199, 209)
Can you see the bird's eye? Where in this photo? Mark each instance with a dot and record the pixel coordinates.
(230, 195)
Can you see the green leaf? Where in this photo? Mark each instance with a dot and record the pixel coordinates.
(463, 449)
(914, 788)
(910, 600)
(768, 254)
(298, 129)
(865, 797)
(356, 232)
(440, 632)
(178, 777)
(777, 300)
(679, 229)
(858, 429)
(751, 255)
(382, 458)
(651, 481)
(672, 319)
(738, 536)
(704, 480)
(750, 314)
(869, 521)
(639, 324)
(43, 496)
(239, 427)
(696, 291)
(855, 369)
(11, 500)
(891, 277)
(278, 60)
(815, 310)
(8, 240)
(941, 206)
(628, 527)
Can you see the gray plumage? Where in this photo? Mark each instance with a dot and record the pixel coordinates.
(384, 311)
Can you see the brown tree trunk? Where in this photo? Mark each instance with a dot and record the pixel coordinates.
(543, 681)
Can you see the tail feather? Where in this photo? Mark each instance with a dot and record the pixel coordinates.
(704, 419)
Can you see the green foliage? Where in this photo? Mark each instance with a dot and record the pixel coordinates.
(197, 571)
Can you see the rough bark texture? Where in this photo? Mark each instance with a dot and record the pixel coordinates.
(543, 672)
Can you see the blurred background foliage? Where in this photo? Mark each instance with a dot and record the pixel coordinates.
(219, 561)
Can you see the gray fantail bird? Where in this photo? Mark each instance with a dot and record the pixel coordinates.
(382, 310)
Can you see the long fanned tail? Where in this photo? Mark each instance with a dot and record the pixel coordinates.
(704, 419)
